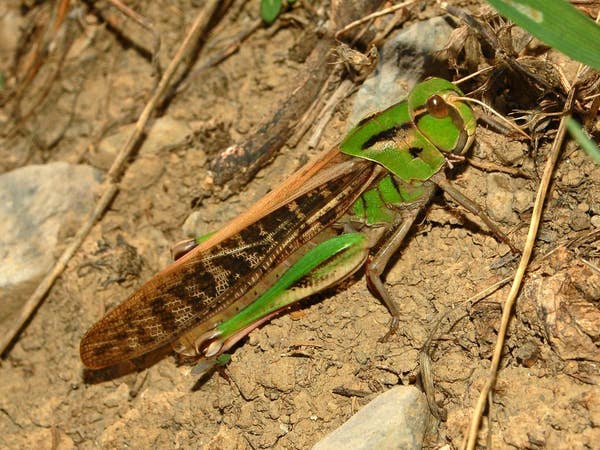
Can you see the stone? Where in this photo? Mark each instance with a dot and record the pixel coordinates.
(396, 419)
(402, 65)
(38, 204)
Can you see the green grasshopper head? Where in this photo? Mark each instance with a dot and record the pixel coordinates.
(410, 137)
(447, 122)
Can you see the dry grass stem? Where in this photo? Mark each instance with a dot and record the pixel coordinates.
(471, 437)
(372, 16)
(110, 186)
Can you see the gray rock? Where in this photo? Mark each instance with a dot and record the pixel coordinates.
(396, 419)
(405, 60)
(36, 204)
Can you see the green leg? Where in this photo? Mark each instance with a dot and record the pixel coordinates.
(319, 268)
(377, 264)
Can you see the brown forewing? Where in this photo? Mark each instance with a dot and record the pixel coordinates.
(221, 270)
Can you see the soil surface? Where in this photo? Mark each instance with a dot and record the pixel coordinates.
(279, 389)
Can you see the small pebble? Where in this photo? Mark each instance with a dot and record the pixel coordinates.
(361, 357)
(579, 221)
(572, 178)
(583, 207)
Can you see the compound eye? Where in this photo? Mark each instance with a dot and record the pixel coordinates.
(437, 107)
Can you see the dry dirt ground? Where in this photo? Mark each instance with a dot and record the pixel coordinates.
(278, 389)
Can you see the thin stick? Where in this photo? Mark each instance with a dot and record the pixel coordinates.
(110, 185)
(313, 111)
(474, 74)
(341, 92)
(471, 438)
(198, 27)
(374, 15)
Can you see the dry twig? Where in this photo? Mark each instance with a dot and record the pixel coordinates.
(471, 438)
(372, 16)
(110, 186)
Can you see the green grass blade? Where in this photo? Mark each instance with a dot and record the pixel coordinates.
(558, 24)
(269, 10)
(583, 140)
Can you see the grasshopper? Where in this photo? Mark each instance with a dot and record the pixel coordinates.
(348, 209)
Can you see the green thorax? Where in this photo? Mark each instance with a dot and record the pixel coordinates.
(375, 206)
(409, 139)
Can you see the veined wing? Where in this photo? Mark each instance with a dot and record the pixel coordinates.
(213, 276)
